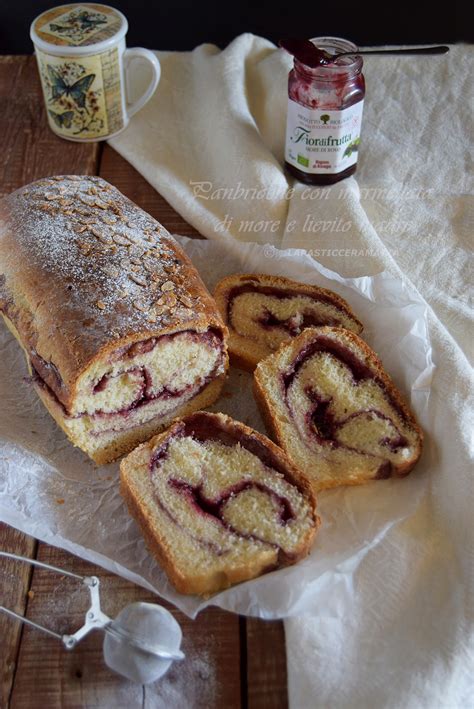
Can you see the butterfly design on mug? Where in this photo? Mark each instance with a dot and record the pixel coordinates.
(77, 91)
(74, 97)
(77, 25)
(62, 120)
(83, 21)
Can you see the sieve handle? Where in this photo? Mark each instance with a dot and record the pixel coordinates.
(94, 616)
(41, 564)
(27, 621)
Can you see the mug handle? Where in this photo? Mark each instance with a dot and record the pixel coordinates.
(147, 55)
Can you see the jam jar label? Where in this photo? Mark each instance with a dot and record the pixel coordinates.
(319, 141)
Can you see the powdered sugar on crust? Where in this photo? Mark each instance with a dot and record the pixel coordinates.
(72, 223)
(104, 268)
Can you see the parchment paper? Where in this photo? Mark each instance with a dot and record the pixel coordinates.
(55, 493)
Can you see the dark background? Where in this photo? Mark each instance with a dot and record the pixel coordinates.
(183, 24)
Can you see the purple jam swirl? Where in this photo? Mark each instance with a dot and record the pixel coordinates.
(46, 375)
(204, 427)
(320, 419)
(358, 369)
(144, 395)
(269, 320)
(214, 508)
(291, 325)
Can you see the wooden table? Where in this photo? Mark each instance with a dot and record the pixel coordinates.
(230, 661)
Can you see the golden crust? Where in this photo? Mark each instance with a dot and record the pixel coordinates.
(206, 583)
(271, 417)
(246, 354)
(84, 271)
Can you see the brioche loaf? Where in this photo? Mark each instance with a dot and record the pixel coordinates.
(118, 330)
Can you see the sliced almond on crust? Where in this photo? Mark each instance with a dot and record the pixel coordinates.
(139, 280)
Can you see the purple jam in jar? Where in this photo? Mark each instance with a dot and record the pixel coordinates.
(325, 103)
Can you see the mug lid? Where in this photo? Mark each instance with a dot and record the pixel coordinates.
(78, 28)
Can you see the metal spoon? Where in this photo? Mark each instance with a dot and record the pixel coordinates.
(313, 56)
(440, 49)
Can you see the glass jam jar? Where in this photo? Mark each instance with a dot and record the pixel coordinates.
(324, 119)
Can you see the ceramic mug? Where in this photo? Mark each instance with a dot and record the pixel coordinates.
(84, 69)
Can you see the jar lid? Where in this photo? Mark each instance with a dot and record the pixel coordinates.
(78, 28)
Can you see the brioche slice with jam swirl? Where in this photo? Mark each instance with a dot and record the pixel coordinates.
(334, 410)
(263, 311)
(218, 503)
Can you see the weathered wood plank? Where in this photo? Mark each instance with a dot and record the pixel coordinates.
(121, 174)
(52, 677)
(14, 584)
(29, 150)
(266, 665)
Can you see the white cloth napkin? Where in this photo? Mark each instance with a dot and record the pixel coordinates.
(211, 141)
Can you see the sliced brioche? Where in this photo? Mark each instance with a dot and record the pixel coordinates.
(218, 503)
(328, 402)
(264, 311)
